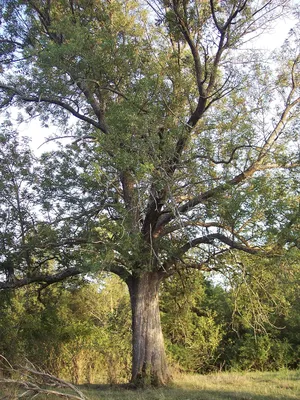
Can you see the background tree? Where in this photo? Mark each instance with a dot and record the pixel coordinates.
(178, 134)
(73, 330)
(80, 331)
(193, 329)
(260, 300)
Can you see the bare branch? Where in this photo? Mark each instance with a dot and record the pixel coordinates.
(35, 383)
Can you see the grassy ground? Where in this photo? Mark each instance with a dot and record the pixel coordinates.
(283, 385)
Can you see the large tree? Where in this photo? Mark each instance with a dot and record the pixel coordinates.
(182, 144)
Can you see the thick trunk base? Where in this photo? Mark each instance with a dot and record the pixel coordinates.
(149, 366)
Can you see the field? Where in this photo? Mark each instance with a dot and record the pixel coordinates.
(224, 386)
(283, 385)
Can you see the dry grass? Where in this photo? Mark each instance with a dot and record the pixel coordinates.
(283, 385)
(243, 386)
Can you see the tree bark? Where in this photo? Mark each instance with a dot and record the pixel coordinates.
(149, 366)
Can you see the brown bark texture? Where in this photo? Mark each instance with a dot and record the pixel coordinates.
(149, 366)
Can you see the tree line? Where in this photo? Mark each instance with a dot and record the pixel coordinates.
(81, 331)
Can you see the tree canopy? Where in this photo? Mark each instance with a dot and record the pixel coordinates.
(183, 144)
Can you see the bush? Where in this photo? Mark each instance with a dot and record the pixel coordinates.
(261, 352)
(78, 332)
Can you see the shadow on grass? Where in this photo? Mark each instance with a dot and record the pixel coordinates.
(120, 392)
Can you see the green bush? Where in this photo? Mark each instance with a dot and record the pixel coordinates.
(262, 353)
(78, 332)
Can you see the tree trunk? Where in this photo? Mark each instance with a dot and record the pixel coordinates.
(149, 366)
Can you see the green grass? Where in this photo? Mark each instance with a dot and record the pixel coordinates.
(283, 385)
(224, 386)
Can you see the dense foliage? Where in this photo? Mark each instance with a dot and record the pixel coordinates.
(82, 331)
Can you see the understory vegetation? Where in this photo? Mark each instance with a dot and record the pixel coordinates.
(81, 331)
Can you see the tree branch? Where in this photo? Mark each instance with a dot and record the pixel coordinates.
(204, 95)
(58, 102)
(214, 161)
(42, 278)
(210, 224)
(120, 271)
(209, 239)
(36, 382)
(257, 165)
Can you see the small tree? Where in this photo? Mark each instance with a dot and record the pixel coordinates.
(179, 134)
(192, 328)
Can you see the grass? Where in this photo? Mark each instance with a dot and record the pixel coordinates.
(282, 385)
